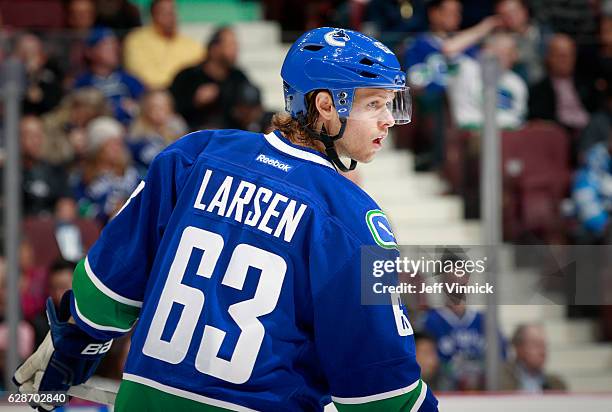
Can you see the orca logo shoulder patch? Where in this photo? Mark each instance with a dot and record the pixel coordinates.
(381, 229)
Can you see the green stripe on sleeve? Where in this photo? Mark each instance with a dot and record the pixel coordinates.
(399, 403)
(97, 307)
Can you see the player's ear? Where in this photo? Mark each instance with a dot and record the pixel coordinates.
(325, 106)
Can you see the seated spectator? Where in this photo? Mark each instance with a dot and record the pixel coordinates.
(33, 279)
(429, 60)
(562, 96)
(65, 126)
(529, 37)
(25, 337)
(24, 330)
(526, 372)
(156, 126)
(121, 89)
(459, 332)
(80, 19)
(157, 52)
(58, 282)
(248, 113)
(107, 179)
(205, 93)
(80, 15)
(592, 194)
(43, 79)
(599, 128)
(42, 183)
(595, 58)
(465, 88)
(119, 15)
(393, 19)
(428, 360)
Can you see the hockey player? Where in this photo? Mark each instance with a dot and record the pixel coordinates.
(239, 255)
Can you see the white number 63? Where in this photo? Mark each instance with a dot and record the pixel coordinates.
(239, 369)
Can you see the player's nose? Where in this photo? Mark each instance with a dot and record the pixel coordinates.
(387, 119)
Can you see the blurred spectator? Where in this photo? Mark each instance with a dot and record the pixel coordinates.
(157, 52)
(459, 332)
(65, 126)
(80, 15)
(80, 19)
(120, 15)
(107, 179)
(428, 360)
(595, 60)
(460, 338)
(156, 126)
(465, 88)
(561, 95)
(24, 331)
(592, 194)
(44, 80)
(120, 88)
(576, 18)
(25, 337)
(58, 282)
(205, 94)
(599, 128)
(429, 60)
(43, 184)
(248, 113)
(32, 282)
(394, 19)
(529, 37)
(526, 373)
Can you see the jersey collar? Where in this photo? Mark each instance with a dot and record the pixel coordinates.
(277, 141)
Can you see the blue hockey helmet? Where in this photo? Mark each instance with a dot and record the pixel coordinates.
(340, 61)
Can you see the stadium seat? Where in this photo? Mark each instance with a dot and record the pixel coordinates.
(40, 232)
(536, 176)
(32, 14)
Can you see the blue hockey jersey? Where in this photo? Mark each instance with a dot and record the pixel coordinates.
(239, 258)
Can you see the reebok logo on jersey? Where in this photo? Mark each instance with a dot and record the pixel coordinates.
(273, 162)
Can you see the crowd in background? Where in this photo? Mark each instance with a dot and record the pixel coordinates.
(104, 95)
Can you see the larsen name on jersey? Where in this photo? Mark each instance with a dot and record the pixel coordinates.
(246, 194)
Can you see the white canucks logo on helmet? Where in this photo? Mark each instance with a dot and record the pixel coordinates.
(337, 38)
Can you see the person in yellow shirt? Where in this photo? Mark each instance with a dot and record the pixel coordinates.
(157, 52)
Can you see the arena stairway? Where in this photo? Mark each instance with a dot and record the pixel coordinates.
(421, 215)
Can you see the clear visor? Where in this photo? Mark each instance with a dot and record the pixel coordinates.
(383, 105)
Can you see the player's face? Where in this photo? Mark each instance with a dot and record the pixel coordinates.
(368, 124)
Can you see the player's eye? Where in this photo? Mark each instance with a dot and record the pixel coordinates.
(374, 105)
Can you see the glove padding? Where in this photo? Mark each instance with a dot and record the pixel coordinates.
(67, 357)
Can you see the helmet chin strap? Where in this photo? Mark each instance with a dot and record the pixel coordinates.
(328, 142)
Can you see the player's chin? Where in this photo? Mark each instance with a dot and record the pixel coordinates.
(367, 157)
